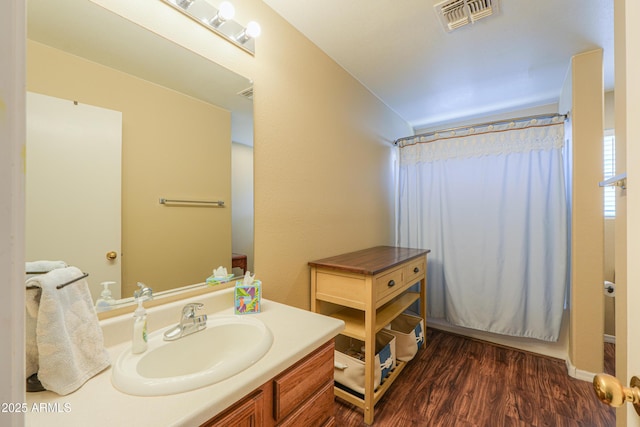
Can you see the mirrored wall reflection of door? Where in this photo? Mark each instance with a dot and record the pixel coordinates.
(73, 186)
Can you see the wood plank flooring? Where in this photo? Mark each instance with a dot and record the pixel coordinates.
(461, 382)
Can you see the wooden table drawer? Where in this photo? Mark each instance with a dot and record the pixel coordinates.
(414, 271)
(302, 381)
(388, 283)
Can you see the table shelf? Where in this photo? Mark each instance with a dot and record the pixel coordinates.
(355, 322)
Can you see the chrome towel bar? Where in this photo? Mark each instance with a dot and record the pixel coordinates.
(218, 203)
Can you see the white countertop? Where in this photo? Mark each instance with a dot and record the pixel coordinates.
(97, 403)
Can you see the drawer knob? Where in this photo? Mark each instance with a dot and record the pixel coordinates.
(391, 283)
(415, 270)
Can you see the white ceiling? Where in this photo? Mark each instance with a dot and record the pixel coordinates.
(398, 50)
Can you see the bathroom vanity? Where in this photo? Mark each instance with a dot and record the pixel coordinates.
(367, 289)
(291, 385)
(300, 396)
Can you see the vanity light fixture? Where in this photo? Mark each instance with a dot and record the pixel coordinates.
(184, 3)
(220, 21)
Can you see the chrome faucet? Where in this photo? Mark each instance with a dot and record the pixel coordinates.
(145, 292)
(189, 323)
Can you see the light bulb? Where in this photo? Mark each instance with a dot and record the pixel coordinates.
(226, 11)
(253, 29)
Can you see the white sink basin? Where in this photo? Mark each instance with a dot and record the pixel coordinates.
(229, 345)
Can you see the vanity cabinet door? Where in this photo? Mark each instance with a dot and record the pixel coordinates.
(303, 381)
(247, 413)
(302, 396)
(316, 412)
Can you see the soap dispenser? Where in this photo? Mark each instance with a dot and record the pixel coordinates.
(139, 344)
(105, 301)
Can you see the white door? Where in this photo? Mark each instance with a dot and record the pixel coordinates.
(73, 187)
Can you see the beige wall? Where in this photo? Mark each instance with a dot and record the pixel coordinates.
(583, 94)
(323, 167)
(323, 162)
(168, 142)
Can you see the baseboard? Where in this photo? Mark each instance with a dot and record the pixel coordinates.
(610, 338)
(578, 374)
(557, 350)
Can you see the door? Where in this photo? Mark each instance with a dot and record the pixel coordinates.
(73, 186)
(627, 109)
(631, 111)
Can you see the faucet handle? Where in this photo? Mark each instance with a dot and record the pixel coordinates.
(189, 310)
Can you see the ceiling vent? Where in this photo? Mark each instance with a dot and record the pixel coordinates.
(247, 93)
(454, 14)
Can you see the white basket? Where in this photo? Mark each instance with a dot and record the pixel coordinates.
(349, 360)
(409, 333)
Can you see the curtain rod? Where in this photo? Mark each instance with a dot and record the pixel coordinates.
(497, 122)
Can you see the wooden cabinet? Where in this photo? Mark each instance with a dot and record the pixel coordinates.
(368, 289)
(249, 412)
(300, 396)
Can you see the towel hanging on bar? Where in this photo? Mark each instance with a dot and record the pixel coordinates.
(60, 286)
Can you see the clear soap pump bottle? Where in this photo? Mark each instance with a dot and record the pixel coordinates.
(139, 343)
(105, 301)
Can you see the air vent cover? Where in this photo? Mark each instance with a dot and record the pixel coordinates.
(454, 14)
(247, 93)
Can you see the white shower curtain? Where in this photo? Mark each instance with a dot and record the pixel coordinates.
(492, 209)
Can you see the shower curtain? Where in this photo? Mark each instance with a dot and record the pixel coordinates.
(491, 206)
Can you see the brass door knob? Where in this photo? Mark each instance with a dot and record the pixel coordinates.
(112, 255)
(611, 391)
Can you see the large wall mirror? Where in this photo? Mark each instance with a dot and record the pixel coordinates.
(186, 133)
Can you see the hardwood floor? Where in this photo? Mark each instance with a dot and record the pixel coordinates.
(461, 382)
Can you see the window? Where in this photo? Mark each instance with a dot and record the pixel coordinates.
(609, 171)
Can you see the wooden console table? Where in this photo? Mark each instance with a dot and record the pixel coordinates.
(368, 289)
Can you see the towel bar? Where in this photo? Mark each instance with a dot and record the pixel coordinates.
(219, 203)
(61, 285)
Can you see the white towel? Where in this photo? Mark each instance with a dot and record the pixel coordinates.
(43, 266)
(33, 269)
(69, 342)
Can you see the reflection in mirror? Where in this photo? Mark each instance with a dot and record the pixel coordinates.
(182, 117)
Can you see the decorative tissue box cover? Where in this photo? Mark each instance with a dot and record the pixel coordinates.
(349, 360)
(409, 333)
(247, 297)
(213, 280)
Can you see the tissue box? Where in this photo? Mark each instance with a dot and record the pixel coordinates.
(213, 280)
(247, 297)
